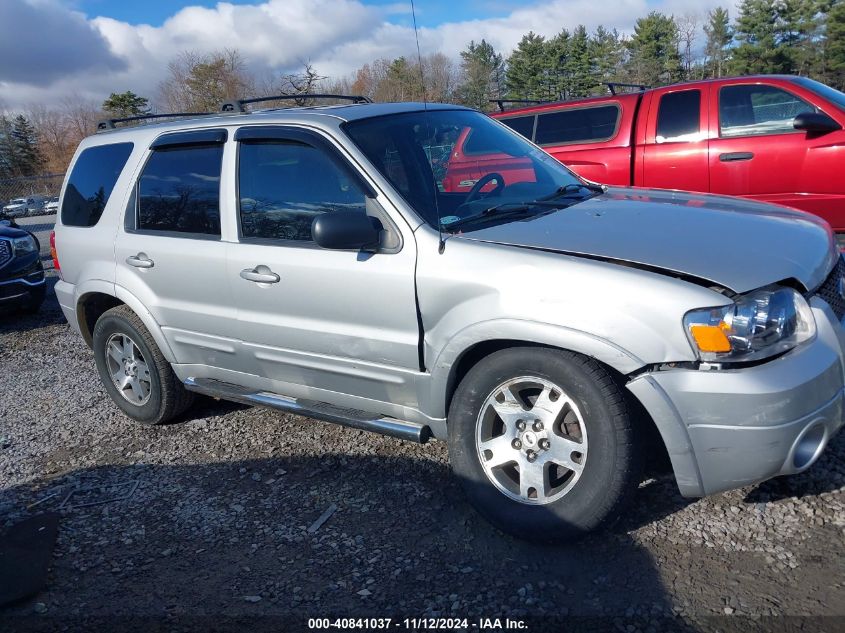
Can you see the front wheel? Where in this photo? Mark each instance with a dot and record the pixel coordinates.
(542, 442)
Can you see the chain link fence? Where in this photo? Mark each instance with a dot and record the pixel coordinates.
(30, 195)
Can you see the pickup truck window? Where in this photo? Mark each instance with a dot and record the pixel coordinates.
(577, 125)
(758, 109)
(284, 186)
(522, 124)
(179, 191)
(679, 117)
(833, 95)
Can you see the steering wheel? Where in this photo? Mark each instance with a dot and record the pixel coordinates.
(475, 192)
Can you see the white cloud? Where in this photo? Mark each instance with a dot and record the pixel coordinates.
(94, 57)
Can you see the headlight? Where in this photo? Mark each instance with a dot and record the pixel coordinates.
(757, 325)
(24, 245)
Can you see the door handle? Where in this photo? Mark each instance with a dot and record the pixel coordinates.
(731, 157)
(140, 261)
(260, 275)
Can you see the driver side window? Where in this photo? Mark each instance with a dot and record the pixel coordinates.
(758, 109)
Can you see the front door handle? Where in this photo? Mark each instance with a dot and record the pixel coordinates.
(260, 275)
(140, 261)
(731, 157)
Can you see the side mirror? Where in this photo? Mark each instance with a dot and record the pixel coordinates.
(815, 122)
(346, 230)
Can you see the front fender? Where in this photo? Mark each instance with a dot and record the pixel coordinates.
(443, 368)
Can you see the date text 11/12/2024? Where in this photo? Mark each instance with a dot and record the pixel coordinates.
(443, 624)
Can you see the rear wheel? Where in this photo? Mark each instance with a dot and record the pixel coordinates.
(542, 443)
(134, 371)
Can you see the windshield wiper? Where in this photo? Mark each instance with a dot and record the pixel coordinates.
(506, 209)
(573, 188)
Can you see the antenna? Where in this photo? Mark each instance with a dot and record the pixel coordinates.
(441, 243)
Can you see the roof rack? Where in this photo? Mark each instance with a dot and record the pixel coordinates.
(501, 102)
(108, 124)
(613, 85)
(237, 105)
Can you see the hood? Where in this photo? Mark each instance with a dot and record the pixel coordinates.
(10, 231)
(734, 243)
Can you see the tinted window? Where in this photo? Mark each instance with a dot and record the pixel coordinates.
(745, 110)
(522, 124)
(91, 183)
(284, 186)
(577, 125)
(179, 191)
(679, 116)
(831, 94)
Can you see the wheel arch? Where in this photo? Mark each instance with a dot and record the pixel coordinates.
(93, 304)
(666, 433)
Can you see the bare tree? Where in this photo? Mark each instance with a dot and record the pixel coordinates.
(688, 30)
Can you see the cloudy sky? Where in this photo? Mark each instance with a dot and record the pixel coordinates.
(54, 48)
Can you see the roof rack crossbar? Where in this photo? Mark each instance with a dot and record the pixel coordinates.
(237, 105)
(613, 85)
(501, 102)
(108, 124)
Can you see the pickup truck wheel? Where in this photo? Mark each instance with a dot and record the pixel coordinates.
(134, 371)
(542, 443)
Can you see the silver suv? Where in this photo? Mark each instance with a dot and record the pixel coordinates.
(310, 260)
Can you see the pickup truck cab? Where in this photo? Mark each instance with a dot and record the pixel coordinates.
(776, 139)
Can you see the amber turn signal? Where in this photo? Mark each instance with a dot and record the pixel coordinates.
(710, 338)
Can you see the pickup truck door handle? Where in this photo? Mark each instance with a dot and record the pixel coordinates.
(735, 156)
(140, 261)
(260, 274)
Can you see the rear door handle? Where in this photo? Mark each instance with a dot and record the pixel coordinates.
(731, 157)
(260, 275)
(140, 261)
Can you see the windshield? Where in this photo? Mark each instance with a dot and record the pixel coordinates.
(836, 97)
(450, 165)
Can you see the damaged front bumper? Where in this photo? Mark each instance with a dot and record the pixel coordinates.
(726, 429)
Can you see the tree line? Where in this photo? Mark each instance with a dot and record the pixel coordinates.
(803, 37)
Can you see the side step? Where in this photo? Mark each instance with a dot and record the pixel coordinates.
(311, 409)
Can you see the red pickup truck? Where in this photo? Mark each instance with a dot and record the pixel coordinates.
(772, 138)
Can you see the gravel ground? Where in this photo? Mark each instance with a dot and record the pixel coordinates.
(216, 533)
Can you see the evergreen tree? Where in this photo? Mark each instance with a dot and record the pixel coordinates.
(557, 71)
(756, 31)
(653, 49)
(835, 45)
(719, 36)
(606, 56)
(481, 68)
(579, 64)
(527, 73)
(19, 153)
(126, 104)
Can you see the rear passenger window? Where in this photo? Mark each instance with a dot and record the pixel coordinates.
(179, 191)
(284, 186)
(754, 109)
(91, 183)
(679, 117)
(522, 124)
(577, 125)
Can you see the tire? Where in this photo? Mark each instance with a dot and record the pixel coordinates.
(584, 424)
(159, 396)
(33, 303)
